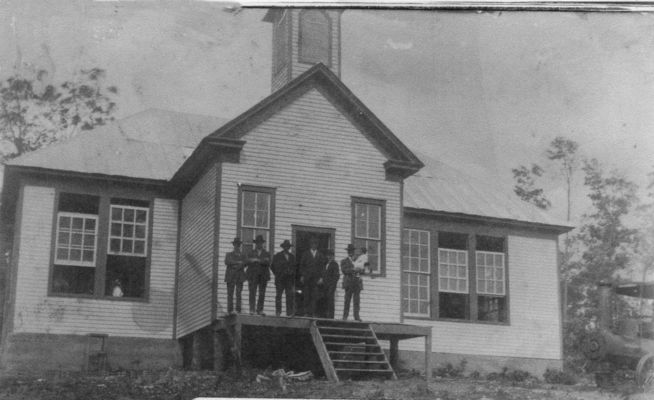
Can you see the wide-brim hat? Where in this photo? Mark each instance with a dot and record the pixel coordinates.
(286, 244)
(350, 247)
(237, 240)
(259, 239)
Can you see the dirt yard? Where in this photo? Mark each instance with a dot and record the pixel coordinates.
(184, 385)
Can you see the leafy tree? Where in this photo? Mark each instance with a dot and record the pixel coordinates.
(34, 114)
(608, 245)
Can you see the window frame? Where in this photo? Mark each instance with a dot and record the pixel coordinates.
(437, 228)
(271, 214)
(102, 240)
(302, 57)
(81, 263)
(406, 273)
(133, 238)
(381, 268)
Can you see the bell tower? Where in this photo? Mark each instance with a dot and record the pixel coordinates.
(303, 37)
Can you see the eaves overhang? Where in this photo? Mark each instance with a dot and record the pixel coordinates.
(486, 220)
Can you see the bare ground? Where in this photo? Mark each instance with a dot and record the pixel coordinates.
(182, 385)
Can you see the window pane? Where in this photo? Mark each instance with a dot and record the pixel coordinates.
(88, 255)
(115, 229)
(62, 254)
(114, 245)
(139, 247)
(139, 231)
(64, 222)
(249, 200)
(361, 220)
(127, 246)
(128, 230)
(248, 218)
(262, 201)
(89, 225)
(141, 216)
(78, 223)
(75, 255)
(128, 215)
(116, 214)
(89, 241)
(64, 238)
(262, 219)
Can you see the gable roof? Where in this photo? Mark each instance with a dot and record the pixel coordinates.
(151, 144)
(442, 189)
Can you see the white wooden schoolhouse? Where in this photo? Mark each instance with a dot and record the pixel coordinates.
(151, 203)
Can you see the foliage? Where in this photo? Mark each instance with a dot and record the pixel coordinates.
(525, 186)
(451, 371)
(34, 113)
(559, 377)
(513, 376)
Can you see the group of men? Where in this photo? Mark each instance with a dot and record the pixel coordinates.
(318, 276)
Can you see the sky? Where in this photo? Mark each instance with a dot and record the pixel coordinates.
(484, 92)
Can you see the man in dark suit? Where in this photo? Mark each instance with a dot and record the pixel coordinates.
(234, 276)
(352, 283)
(312, 263)
(330, 278)
(283, 266)
(258, 274)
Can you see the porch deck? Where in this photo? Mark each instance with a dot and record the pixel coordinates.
(392, 332)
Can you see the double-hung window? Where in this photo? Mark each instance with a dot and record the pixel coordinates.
(256, 214)
(416, 268)
(453, 276)
(369, 230)
(491, 279)
(76, 244)
(101, 246)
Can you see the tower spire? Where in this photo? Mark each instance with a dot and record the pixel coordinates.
(303, 37)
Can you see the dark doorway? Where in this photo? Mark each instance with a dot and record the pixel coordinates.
(301, 237)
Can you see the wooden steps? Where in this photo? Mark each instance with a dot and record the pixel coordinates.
(350, 350)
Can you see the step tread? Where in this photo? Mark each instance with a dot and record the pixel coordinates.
(348, 336)
(340, 328)
(352, 344)
(361, 362)
(386, 371)
(358, 353)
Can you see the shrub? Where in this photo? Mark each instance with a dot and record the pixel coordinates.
(559, 376)
(450, 370)
(512, 376)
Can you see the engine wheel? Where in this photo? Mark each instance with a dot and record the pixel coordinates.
(645, 372)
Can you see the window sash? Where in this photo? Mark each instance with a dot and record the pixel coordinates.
(128, 230)
(416, 297)
(365, 227)
(255, 216)
(491, 273)
(453, 271)
(65, 235)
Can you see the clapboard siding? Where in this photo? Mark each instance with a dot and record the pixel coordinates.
(534, 330)
(299, 67)
(317, 160)
(35, 312)
(196, 255)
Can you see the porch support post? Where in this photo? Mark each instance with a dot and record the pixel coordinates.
(428, 356)
(394, 351)
(196, 351)
(238, 330)
(218, 351)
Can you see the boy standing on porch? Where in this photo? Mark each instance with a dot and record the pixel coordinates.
(234, 276)
(258, 274)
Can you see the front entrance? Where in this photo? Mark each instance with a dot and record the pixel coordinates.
(301, 237)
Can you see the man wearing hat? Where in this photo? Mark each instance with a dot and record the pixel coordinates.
(235, 275)
(283, 266)
(352, 283)
(312, 264)
(258, 274)
(328, 288)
